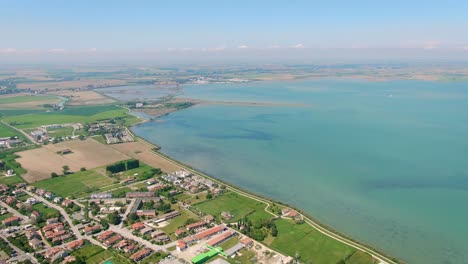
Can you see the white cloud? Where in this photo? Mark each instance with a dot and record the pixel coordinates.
(243, 47)
(8, 50)
(298, 46)
(274, 47)
(430, 45)
(56, 50)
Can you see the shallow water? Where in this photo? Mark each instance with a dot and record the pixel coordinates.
(383, 162)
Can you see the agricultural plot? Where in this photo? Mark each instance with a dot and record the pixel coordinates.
(141, 151)
(26, 102)
(75, 184)
(86, 98)
(41, 162)
(237, 205)
(76, 114)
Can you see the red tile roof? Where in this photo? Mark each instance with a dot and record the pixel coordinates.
(210, 232)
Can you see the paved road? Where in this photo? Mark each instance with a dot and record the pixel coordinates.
(14, 212)
(61, 210)
(67, 218)
(21, 254)
(129, 209)
(22, 132)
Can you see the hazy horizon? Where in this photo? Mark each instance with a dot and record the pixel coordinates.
(240, 31)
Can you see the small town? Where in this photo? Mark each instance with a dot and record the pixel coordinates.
(148, 222)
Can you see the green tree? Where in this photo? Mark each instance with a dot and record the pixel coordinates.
(66, 169)
(114, 218)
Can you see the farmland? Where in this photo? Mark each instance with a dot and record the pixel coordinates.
(78, 114)
(75, 184)
(237, 205)
(143, 152)
(86, 98)
(25, 99)
(41, 162)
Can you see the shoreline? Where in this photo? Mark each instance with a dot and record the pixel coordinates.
(314, 223)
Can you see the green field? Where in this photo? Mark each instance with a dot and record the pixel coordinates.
(75, 114)
(359, 257)
(235, 204)
(311, 245)
(178, 221)
(75, 184)
(229, 243)
(6, 131)
(26, 98)
(10, 180)
(60, 132)
(94, 255)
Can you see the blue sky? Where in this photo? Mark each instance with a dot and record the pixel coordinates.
(152, 26)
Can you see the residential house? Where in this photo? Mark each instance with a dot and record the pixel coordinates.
(220, 239)
(196, 225)
(75, 244)
(11, 221)
(58, 200)
(105, 235)
(141, 254)
(67, 203)
(112, 240)
(51, 221)
(35, 243)
(91, 229)
(247, 241)
(138, 226)
(35, 214)
(146, 213)
(146, 230)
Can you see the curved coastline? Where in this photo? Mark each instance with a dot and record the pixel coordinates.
(322, 228)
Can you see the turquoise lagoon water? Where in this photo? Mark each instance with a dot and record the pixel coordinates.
(383, 162)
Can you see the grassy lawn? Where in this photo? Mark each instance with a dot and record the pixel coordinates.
(140, 170)
(360, 257)
(47, 212)
(230, 243)
(6, 131)
(5, 216)
(10, 180)
(154, 258)
(94, 254)
(80, 114)
(246, 258)
(60, 132)
(311, 245)
(178, 221)
(237, 205)
(76, 183)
